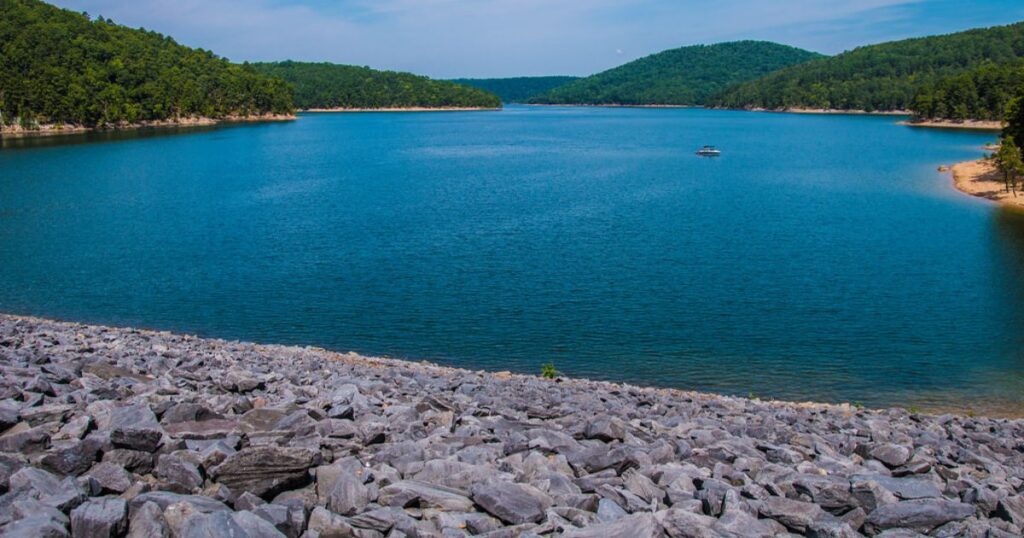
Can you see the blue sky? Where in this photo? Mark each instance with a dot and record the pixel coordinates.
(482, 38)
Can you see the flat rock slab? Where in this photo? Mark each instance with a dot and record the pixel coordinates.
(921, 515)
(512, 503)
(266, 470)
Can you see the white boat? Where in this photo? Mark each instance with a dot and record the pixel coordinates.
(708, 151)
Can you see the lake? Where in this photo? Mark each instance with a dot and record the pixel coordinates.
(820, 258)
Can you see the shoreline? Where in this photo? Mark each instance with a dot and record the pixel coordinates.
(996, 411)
(610, 105)
(152, 433)
(49, 129)
(827, 111)
(399, 109)
(981, 179)
(973, 125)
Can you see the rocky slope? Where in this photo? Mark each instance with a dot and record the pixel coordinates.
(114, 432)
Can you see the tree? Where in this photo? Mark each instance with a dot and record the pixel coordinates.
(1008, 160)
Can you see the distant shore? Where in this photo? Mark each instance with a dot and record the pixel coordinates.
(830, 111)
(976, 125)
(403, 109)
(52, 129)
(612, 105)
(980, 178)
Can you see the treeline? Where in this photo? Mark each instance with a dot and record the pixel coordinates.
(58, 66)
(881, 77)
(683, 76)
(516, 89)
(980, 94)
(326, 85)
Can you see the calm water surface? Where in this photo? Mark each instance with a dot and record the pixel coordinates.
(822, 257)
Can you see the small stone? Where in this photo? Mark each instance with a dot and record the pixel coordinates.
(111, 477)
(891, 455)
(795, 515)
(182, 476)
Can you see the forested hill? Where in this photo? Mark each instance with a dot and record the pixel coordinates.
(683, 76)
(516, 89)
(983, 93)
(880, 77)
(326, 85)
(60, 67)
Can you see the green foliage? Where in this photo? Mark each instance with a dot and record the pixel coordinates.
(886, 77)
(326, 85)
(1014, 128)
(57, 66)
(683, 76)
(1008, 161)
(516, 89)
(979, 94)
(548, 371)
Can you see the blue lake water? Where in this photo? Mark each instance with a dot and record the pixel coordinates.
(822, 257)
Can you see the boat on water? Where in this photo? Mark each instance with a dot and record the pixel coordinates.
(709, 151)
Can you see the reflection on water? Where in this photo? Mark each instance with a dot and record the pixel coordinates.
(114, 135)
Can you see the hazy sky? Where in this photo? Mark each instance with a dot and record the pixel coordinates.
(452, 38)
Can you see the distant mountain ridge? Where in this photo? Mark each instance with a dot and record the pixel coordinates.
(882, 77)
(327, 85)
(516, 89)
(683, 76)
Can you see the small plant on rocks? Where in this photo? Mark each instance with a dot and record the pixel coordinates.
(548, 371)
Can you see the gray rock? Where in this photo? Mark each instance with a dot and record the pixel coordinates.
(212, 525)
(266, 470)
(328, 525)
(920, 515)
(348, 496)
(41, 526)
(135, 427)
(134, 461)
(147, 521)
(111, 477)
(512, 503)
(25, 439)
(163, 499)
(608, 511)
(255, 526)
(635, 526)
(179, 475)
(407, 493)
(891, 455)
(73, 458)
(606, 429)
(100, 518)
(795, 515)
(1012, 509)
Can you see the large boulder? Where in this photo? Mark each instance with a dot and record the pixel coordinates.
(265, 471)
(921, 515)
(512, 503)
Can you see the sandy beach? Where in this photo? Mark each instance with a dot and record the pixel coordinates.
(980, 125)
(52, 129)
(981, 178)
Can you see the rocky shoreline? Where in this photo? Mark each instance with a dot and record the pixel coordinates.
(122, 432)
(52, 129)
